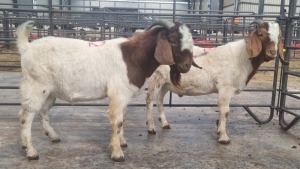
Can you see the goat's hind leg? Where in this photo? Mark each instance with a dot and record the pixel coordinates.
(225, 96)
(44, 117)
(33, 100)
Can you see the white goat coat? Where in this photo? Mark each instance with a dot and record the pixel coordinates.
(225, 71)
(68, 66)
(227, 65)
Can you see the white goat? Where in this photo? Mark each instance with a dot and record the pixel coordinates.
(226, 70)
(74, 70)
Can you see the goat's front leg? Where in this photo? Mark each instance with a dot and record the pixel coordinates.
(160, 107)
(225, 96)
(123, 142)
(116, 107)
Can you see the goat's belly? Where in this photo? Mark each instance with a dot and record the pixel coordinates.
(81, 95)
(194, 91)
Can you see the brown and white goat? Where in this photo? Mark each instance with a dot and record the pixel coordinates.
(226, 70)
(74, 70)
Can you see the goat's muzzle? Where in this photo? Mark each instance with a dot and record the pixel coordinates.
(184, 68)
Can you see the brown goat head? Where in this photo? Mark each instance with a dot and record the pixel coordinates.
(175, 47)
(265, 41)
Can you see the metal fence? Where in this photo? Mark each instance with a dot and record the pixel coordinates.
(286, 94)
(209, 28)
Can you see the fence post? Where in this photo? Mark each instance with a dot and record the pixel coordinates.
(261, 6)
(6, 29)
(174, 9)
(287, 43)
(50, 18)
(225, 31)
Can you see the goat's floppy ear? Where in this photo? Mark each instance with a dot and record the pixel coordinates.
(254, 45)
(280, 48)
(163, 51)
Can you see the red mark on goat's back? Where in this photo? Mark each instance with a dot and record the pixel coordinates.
(96, 44)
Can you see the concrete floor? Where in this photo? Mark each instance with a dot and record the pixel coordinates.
(190, 143)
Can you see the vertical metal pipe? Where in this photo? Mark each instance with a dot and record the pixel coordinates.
(6, 28)
(225, 31)
(221, 5)
(261, 6)
(50, 18)
(287, 42)
(60, 3)
(174, 9)
(200, 6)
(189, 6)
(235, 6)
(281, 22)
(69, 5)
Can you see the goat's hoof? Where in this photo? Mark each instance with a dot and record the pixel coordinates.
(46, 133)
(24, 147)
(124, 145)
(55, 140)
(36, 157)
(224, 141)
(118, 159)
(151, 131)
(217, 122)
(159, 119)
(167, 127)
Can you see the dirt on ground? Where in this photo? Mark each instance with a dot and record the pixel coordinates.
(9, 60)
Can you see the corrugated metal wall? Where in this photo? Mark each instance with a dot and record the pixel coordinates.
(270, 6)
(166, 4)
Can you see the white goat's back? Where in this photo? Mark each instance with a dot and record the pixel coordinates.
(74, 65)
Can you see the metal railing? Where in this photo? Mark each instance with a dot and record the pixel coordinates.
(286, 94)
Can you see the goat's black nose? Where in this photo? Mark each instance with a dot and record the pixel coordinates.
(185, 68)
(273, 52)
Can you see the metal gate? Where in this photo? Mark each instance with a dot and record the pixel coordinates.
(286, 94)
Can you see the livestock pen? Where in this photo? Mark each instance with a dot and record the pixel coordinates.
(271, 98)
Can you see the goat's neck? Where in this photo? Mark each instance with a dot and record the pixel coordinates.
(256, 62)
(138, 55)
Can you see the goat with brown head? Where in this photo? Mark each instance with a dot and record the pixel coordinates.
(263, 43)
(175, 48)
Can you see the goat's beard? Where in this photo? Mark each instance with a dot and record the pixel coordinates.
(175, 76)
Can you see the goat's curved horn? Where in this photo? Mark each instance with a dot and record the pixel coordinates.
(195, 64)
(257, 22)
(164, 23)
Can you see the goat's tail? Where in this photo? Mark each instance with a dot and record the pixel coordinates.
(23, 31)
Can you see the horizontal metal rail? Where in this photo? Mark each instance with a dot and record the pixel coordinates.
(143, 105)
(130, 14)
(293, 73)
(246, 90)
